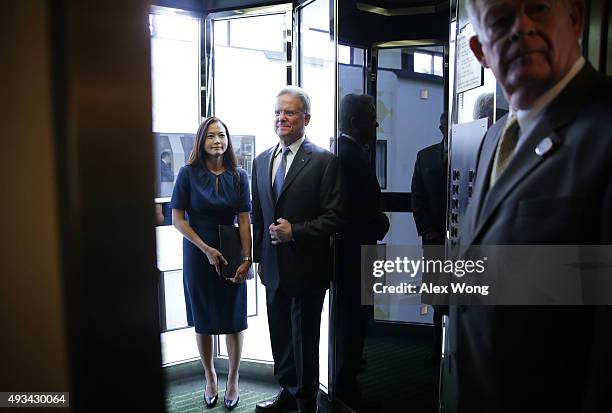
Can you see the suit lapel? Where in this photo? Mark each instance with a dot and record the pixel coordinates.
(560, 112)
(301, 158)
(523, 163)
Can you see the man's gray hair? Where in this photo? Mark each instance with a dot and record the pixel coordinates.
(474, 12)
(483, 108)
(299, 93)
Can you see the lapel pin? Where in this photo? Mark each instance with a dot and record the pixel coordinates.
(544, 146)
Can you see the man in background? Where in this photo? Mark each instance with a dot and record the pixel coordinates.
(165, 167)
(429, 189)
(366, 225)
(483, 108)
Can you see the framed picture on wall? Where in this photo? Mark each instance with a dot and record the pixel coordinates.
(244, 147)
(172, 151)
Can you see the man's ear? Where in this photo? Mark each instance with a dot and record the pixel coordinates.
(577, 13)
(306, 119)
(477, 50)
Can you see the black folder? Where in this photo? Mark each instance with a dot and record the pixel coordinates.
(231, 248)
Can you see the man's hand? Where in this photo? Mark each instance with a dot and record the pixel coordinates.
(281, 232)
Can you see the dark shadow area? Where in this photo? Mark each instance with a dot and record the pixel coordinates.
(397, 375)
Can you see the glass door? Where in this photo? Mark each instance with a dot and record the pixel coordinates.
(410, 100)
(395, 52)
(175, 78)
(231, 65)
(247, 64)
(317, 74)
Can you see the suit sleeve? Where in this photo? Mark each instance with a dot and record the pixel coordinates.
(419, 204)
(332, 203)
(380, 225)
(257, 216)
(367, 221)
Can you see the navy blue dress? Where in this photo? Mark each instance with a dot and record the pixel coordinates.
(214, 304)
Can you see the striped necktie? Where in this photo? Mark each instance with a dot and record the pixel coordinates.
(505, 147)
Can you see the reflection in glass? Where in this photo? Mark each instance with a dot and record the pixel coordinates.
(221, 32)
(344, 55)
(250, 67)
(260, 33)
(175, 73)
(350, 74)
(407, 125)
(423, 63)
(175, 78)
(172, 150)
(248, 72)
(381, 163)
(467, 100)
(317, 66)
(438, 66)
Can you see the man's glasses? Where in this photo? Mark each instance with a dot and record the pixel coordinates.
(288, 113)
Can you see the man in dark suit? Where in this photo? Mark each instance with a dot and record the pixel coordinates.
(366, 224)
(297, 205)
(544, 180)
(429, 188)
(164, 167)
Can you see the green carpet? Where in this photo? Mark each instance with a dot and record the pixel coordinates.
(191, 401)
(396, 378)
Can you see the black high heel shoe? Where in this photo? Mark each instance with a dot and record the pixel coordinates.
(211, 401)
(230, 404)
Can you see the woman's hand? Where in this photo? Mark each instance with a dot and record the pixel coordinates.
(241, 273)
(215, 258)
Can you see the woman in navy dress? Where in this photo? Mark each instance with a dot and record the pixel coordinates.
(211, 190)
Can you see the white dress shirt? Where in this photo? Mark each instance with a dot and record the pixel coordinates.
(295, 146)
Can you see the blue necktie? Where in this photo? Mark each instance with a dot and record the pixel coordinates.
(279, 178)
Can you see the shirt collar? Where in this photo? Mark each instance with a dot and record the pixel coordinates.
(528, 117)
(350, 138)
(295, 146)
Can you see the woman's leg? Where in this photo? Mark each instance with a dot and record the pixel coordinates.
(234, 350)
(205, 347)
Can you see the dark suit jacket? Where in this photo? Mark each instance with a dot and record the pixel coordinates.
(429, 186)
(166, 172)
(313, 201)
(542, 358)
(368, 223)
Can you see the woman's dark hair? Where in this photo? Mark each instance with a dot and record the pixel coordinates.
(198, 154)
